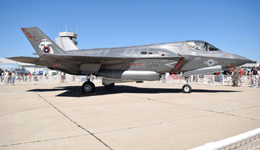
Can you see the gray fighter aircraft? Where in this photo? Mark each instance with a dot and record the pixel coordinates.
(134, 63)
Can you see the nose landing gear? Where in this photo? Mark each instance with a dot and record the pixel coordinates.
(186, 88)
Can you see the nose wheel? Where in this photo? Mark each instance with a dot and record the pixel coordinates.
(88, 87)
(186, 87)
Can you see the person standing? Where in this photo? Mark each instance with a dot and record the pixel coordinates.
(1, 75)
(240, 77)
(6, 77)
(64, 77)
(9, 77)
(13, 76)
(221, 76)
(73, 78)
(61, 78)
(235, 77)
(254, 74)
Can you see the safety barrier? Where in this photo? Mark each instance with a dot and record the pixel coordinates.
(225, 80)
(246, 141)
(54, 79)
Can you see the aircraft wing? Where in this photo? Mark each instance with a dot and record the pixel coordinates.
(80, 59)
(83, 59)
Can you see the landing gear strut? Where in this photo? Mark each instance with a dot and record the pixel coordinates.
(186, 88)
(88, 87)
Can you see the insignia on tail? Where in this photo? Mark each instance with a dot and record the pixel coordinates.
(44, 46)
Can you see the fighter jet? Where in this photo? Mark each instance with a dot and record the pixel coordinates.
(134, 63)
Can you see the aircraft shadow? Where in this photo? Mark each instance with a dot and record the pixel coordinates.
(72, 91)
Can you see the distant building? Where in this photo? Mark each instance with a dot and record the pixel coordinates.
(67, 41)
(11, 65)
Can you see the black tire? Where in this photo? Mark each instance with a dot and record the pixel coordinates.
(110, 87)
(88, 87)
(186, 88)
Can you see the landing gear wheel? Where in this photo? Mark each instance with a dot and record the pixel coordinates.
(186, 88)
(110, 87)
(88, 87)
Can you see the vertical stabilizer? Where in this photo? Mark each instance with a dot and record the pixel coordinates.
(40, 42)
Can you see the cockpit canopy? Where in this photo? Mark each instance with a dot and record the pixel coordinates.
(201, 45)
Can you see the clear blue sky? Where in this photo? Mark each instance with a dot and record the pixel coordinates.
(231, 25)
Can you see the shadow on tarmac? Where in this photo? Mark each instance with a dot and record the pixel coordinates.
(71, 91)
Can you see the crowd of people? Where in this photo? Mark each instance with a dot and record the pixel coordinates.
(237, 76)
(8, 77)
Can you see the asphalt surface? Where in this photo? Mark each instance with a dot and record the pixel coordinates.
(134, 116)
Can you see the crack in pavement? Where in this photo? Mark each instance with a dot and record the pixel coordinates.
(109, 131)
(46, 140)
(242, 108)
(222, 112)
(153, 124)
(76, 123)
(34, 108)
(92, 134)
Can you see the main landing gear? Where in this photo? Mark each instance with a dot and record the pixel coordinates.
(89, 87)
(186, 88)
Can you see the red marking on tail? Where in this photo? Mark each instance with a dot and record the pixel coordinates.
(34, 37)
(29, 35)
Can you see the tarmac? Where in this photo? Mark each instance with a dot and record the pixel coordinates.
(134, 116)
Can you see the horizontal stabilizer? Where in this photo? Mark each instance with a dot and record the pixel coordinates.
(31, 60)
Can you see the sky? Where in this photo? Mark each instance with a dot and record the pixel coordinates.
(232, 26)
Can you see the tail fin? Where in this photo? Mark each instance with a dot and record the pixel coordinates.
(40, 42)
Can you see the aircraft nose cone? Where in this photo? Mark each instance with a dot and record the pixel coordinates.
(240, 60)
